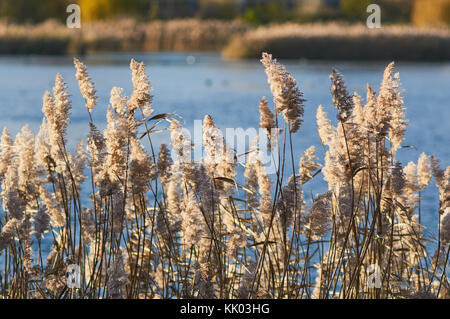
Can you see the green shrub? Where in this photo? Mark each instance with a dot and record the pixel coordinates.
(355, 9)
(265, 13)
(222, 10)
(34, 11)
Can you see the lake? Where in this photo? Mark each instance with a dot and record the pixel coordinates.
(194, 84)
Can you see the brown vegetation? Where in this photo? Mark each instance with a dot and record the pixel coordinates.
(342, 42)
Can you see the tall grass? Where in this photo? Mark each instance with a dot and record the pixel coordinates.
(45, 38)
(234, 39)
(157, 226)
(52, 37)
(337, 41)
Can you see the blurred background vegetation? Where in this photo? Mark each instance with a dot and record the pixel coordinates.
(418, 12)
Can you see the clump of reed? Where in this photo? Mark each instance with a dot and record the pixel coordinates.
(157, 226)
(46, 38)
(171, 35)
(333, 41)
(235, 39)
(52, 37)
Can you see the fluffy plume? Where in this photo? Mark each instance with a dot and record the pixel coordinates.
(12, 200)
(115, 140)
(85, 83)
(54, 210)
(319, 216)
(56, 111)
(192, 222)
(77, 164)
(181, 142)
(291, 204)
(398, 178)
(445, 227)
(287, 97)
(41, 222)
(142, 170)
(308, 164)
(96, 145)
(390, 112)
(390, 94)
(266, 121)
(62, 106)
(358, 113)
(7, 154)
(324, 127)
(118, 101)
(141, 87)
(164, 163)
(341, 99)
(8, 231)
(438, 172)
(213, 143)
(444, 193)
(410, 195)
(258, 179)
(27, 175)
(423, 171)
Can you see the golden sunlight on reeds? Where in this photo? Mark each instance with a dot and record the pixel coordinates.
(157, 226)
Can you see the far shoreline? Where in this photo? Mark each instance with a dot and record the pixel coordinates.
(232, 39)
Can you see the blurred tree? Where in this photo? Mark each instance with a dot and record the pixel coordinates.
(34, 11)
(95, 9)
(316, 10)
(426, 12)
(396, 10)
(170, 9)
(266, 12)
(391, 10)
(217, 9)
(154, 9)
(139, 8)
(431, 12)
(103, 9)
(355, 9)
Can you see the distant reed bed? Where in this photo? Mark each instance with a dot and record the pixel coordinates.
(119, 35)
(156, 224)
(337, 41)
(173, 35)
(234, 39)
(46, 38)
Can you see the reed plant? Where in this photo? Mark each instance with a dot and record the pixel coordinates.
(52, 37)
(153, 225)
(235, 39)
(332, 41)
